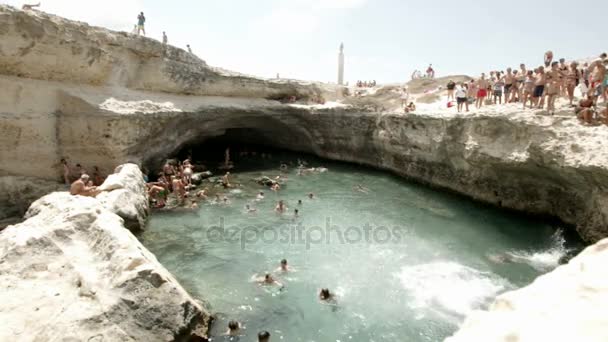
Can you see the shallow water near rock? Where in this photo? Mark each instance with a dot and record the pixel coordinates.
(406, 263)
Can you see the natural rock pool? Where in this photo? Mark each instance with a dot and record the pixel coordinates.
(407, 263)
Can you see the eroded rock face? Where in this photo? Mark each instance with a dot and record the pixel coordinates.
(72, 271)
(33, 42)
(568, 304)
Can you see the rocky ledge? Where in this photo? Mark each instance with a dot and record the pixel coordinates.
(72, 271)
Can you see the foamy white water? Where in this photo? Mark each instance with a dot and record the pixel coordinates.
(452, 288)
(544, 260)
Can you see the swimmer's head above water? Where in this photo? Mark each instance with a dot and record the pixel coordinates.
(324, 294)
(263, 336)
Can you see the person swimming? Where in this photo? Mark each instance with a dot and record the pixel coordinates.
(283, 267)
(275, 187)
(299, 202)
(311, 195)
(296, 213)
(361, 188)
(249, 209)
(260, 196)
(234, 328)
(327, 297)
(264, 336)
(280, 208)
(268, 279)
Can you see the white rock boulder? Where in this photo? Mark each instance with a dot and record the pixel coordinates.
(72, 272)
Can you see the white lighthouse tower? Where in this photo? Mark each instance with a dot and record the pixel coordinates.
(341, 65)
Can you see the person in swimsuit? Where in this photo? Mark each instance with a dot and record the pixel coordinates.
(539, 87)
(226, 180)
(572, 77)
(327, 297)
(597, 72)
(461, 97)
(187, 173)
(66, 171)
(268, 280)
(450, 87)
(548, 58)
(81, 187)
(554, 79)
(498, 85)
(482, 91)
(528, 89)
(509, 81)
(584, 110)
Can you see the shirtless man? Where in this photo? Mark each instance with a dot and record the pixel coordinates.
(539, 87)
(509, 82)
(554, 80)
(548, 58)
(597, 72)
(260, 196)
(29, 7)
(80, 187)
(268, 280)
(584, 111)
(520, 79)
(482, 92)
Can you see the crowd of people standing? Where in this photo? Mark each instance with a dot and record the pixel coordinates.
(538, 88)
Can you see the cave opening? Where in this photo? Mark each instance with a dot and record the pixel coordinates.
(248, 149)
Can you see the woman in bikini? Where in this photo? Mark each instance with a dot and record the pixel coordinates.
(572, 77)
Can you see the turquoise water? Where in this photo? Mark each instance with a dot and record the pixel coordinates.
(406, 263)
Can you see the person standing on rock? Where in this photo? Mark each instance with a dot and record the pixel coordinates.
(164, 38)
(141, 20)
(189, 49)
(80, 187)
(482, 92)
(66, 171)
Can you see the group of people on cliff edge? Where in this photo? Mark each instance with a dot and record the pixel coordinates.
(539, 87)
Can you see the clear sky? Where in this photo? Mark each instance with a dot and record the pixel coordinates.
(384, 40)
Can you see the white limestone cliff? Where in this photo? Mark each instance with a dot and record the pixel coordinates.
(72, 271)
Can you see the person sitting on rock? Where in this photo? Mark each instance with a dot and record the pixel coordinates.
(157, 194)
(29, 7)
(410, 107)
(80, 187)
(584, 110)
(226, 180)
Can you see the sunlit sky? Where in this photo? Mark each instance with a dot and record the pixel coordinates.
(384, 40)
